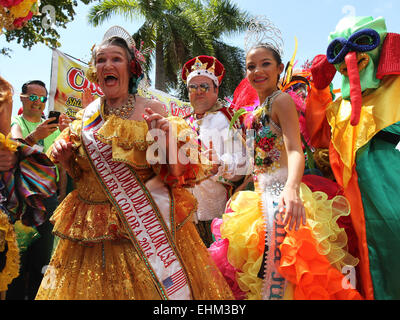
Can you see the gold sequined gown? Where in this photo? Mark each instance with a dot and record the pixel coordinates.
(94, 258)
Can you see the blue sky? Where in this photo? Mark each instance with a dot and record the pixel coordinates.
(310, 21)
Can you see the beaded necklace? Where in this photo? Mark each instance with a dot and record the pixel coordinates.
(123, 111)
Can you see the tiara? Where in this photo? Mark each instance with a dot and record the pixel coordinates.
(117, 31)
(261, 31)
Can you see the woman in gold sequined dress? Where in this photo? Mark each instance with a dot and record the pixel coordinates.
(101, 255)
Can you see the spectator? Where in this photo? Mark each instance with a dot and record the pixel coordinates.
(39, 134)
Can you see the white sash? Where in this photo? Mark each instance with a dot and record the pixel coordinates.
(147, 227)
(274, 285)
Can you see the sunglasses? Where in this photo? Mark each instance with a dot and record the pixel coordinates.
(34, 97)
(204, 87)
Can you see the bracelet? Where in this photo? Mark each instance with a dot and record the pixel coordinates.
(31, 138)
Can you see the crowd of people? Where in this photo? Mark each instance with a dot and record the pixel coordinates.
(285, 193)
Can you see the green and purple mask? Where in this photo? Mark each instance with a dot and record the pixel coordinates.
(354, 50)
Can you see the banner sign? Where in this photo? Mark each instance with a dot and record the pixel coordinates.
(68, 83)
(172, 105)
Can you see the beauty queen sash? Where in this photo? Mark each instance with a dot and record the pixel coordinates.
(274, 285)
(149, 229)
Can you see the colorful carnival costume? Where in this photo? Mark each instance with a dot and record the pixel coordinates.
(303, 264)
(23, 190)
(106, 252)
(364, 127)
(36, 255)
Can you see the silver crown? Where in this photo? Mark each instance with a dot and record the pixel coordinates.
(261, 31)
(117, 31)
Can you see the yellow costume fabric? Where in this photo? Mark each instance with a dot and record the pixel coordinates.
(95, 258)
(381, 108)
(7, 233)
(11, 268)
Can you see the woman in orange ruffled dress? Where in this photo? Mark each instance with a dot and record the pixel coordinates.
(126, 231)
(281, 241)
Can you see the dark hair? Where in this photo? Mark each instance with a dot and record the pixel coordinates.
(267, 46)
(119, 42)
(37, 82)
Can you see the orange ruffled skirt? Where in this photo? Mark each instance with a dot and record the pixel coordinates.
(312, 259)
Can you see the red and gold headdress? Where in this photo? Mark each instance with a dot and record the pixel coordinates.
(204, 66)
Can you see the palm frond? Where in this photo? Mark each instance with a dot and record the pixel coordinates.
(225, 18)
(182, 29)
(233, 59)
(103, 11)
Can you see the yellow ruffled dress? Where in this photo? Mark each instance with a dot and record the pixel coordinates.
(12, 259)
(94, 258)
(9, 250)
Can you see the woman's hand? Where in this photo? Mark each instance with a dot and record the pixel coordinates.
(291, 204)
(62, 153)
(157, 121)
(63, 122)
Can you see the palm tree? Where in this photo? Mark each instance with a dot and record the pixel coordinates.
(177, 30)
(220, 18)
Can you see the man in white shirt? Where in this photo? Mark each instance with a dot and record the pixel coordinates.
(225, 145)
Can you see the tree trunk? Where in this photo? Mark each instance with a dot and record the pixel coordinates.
(160, 70)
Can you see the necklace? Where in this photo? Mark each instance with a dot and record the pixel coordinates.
(268, 101)
(263, 111)
(123, 111)
(218, 105)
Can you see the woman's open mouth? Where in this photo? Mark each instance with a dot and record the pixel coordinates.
(110, 80)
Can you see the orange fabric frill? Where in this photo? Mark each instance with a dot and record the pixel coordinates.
(315, 278)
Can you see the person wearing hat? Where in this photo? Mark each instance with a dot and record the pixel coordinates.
(224, 146)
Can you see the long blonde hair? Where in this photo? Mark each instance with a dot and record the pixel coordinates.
(6, 91)
(6, 95)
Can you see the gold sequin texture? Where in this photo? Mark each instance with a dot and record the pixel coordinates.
(94, 258)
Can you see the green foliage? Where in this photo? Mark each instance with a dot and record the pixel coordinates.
(34, 32)
(184, 29)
